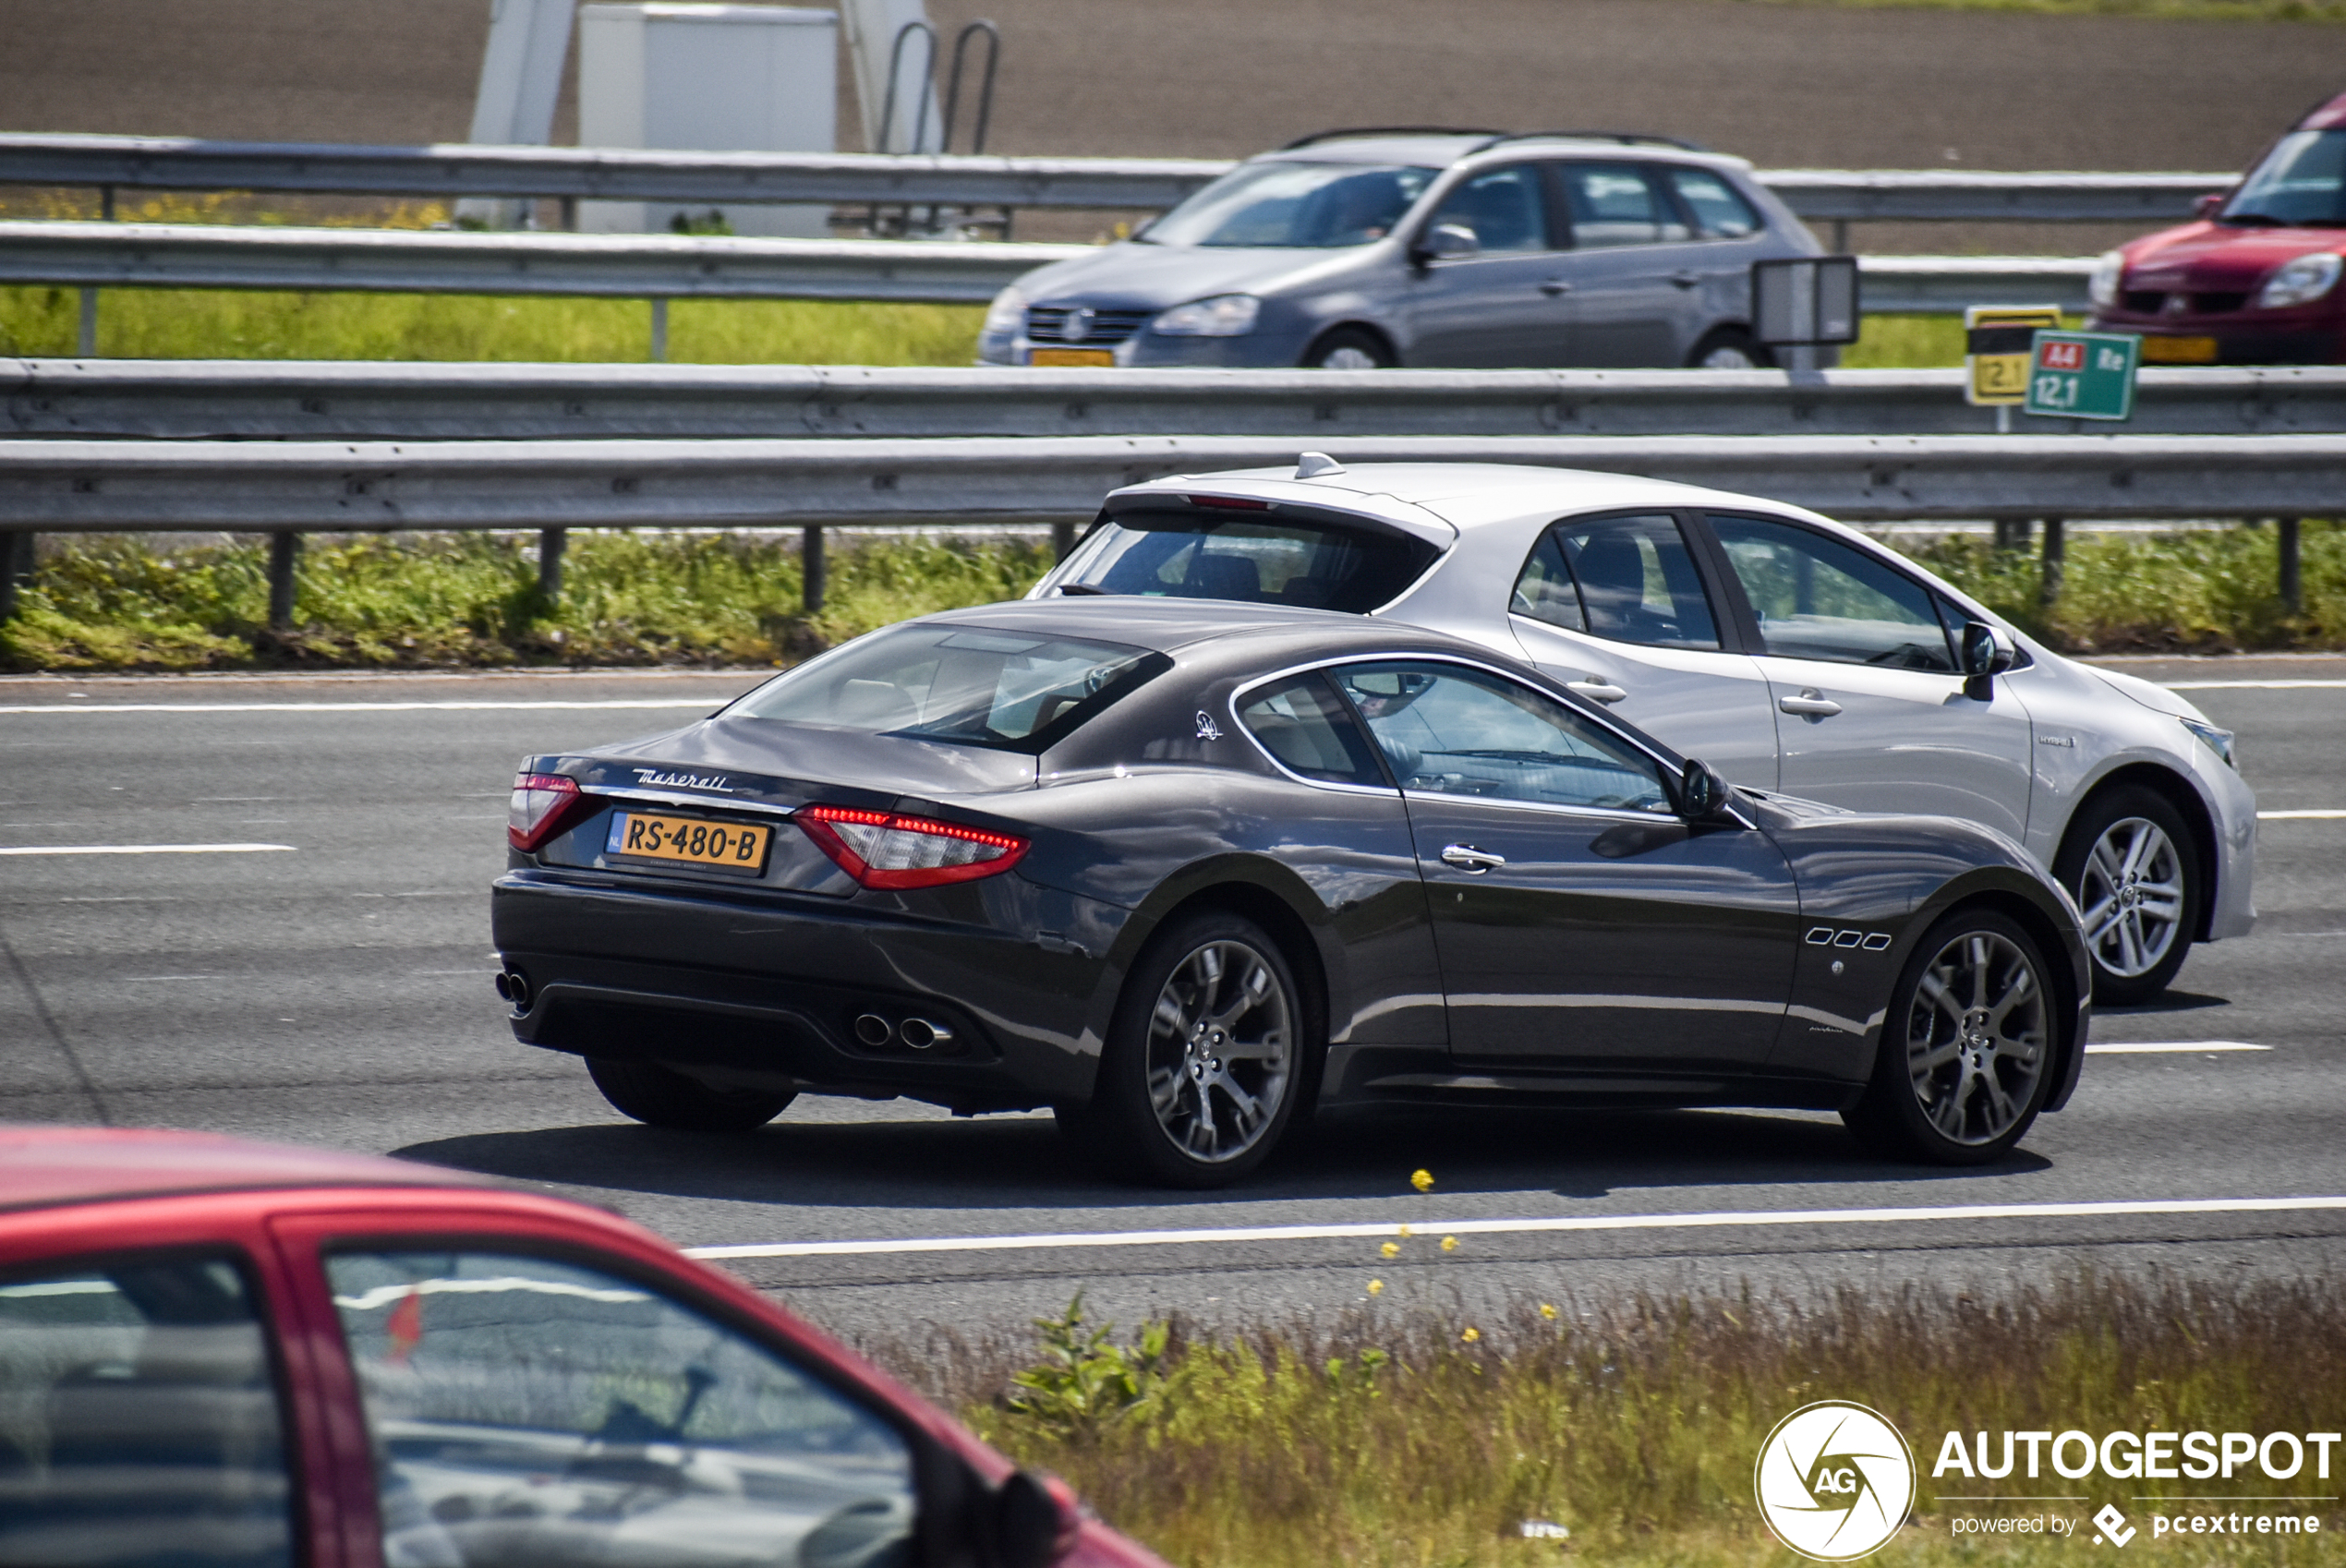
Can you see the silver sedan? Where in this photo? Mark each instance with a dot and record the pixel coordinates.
(1791, 653)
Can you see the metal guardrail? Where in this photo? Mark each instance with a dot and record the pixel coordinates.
(182, 400)
(74, 486)
(103, 255)
(717, 178)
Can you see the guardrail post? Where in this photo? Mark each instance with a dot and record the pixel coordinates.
(1062, 539)
(15, 569)
(285, 553)
(86, 341)
(2056, 555)
(812, 571)
(660, 330)
(2293, 581)
(551, 544)
(2012, 533)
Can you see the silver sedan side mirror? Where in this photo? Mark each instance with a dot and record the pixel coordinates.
(1986, 650)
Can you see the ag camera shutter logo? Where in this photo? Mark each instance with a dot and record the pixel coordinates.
(1835, 1481)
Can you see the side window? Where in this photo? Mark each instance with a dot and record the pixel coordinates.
(1817, 598)
(1302, 723)
(138, 1420)
(1718, 208)
(528, 1411)
(1452, 731)
(1617, 204)
(1629, 578)
(1505, 207)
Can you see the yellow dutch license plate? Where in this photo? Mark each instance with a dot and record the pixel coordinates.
(2179, 351)
(690, 840)
(1069, 356)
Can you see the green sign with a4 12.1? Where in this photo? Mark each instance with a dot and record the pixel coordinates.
(2082, 375)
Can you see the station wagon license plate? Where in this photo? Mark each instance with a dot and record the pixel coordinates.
(1071, 357)
(2178, 351)
(688, 840)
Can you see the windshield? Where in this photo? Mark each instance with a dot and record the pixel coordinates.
(1181, 555)
(1017, 691)
(1305, 206)
(2303, 180)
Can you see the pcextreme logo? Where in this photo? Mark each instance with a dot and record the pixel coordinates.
(1835, 1481)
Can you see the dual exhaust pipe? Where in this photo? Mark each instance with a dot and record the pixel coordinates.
(918, 1034)
(513, 986)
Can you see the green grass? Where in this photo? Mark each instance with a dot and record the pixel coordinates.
(1410, 1435)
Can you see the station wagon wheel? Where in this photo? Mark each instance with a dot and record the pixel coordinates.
(1201, 1071)
(1730, 348)
(1349, 348)
(2131, 864)
(1967, 1045)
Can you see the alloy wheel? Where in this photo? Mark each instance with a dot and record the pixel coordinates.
(1220, 1049)
(2132, 893)
(1347, 357)
(1976, 1038)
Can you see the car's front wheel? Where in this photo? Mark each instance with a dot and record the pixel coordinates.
(2130, 862)
(660, 1096)
(1349, 348)
(1729, 348)
(1967, 1046)
(1203, 1063)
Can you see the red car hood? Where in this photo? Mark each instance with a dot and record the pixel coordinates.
(2209, 257)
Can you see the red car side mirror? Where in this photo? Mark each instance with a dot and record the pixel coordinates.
(2204, 207)
(1035, 1521)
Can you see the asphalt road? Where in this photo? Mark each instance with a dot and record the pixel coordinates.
(336, 991)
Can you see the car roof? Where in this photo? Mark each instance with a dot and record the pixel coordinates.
(2329, 115)
(44, 1167)
(1440, 149)
(1174, 626)
(1460, 495)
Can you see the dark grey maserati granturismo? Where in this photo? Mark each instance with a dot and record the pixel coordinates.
(1184, 871)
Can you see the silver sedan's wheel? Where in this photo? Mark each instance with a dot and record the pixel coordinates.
(2132, 893)
(1977, 1041)
(1729, 356)
(1221, 1050)
(1346, 356)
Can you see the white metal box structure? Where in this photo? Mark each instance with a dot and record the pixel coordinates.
(708, 78)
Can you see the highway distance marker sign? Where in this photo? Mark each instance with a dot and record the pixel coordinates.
(2082, 375)
(1996, 348)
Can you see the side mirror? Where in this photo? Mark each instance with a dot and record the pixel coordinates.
(1702, 794)
(1447, 241)
(1986, 650)
(1035, 1521)
(2204, 207)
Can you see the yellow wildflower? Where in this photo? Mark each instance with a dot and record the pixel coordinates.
(1390, 1249)
(1471, 1335)
(1547, 1311)
(1449, 1244)
(1422, 1180)
(1376, 1287)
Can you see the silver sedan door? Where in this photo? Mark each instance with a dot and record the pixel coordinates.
(1503, 304)
(1872, 712)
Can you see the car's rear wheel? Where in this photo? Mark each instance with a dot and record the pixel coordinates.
(1967, 1046)
(1350, 348)
(1730, 348)
(2132, 863)
(1204, 1061)
(660, 1096)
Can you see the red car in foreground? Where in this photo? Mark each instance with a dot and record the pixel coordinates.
(2254, 279)
(216, 1352)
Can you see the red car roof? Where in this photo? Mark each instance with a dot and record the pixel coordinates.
(2329, 116)
(44, 1165)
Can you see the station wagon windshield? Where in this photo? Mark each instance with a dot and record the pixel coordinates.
(2303, 180)
(1295, 205)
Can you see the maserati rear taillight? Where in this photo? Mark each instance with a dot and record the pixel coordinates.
(543, 802)
(888, 850)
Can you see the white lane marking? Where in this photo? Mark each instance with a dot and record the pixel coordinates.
(2256, 685)
(2149, 1046)
(2323, 816)
(703, 703)
(1769, 1217)
(143, 848)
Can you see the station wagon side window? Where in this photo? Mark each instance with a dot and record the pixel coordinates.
(140, 1418)
(526, 1410)
(1507, 209)
(1718, 211)
(1631, 579)
(1306, 726)
(1446, 729)
(1815, 598)
(1614, 204)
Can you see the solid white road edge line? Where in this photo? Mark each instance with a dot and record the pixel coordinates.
(1769, 1217)
(2144, 1047)
(2254, 685)
(2300, 816)
(145, 849)
(703, 703)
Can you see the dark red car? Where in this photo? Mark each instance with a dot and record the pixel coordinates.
(2254, 279)
(216, 1352)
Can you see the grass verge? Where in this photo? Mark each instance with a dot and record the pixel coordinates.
(1412, 1437)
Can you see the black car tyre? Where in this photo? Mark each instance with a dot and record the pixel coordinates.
(2132, 865)
(1967, 1046)
(1349, 348)
(661, 1096)
(1204, 1061)
(1730, 348)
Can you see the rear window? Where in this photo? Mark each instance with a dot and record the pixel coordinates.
(1188, 556)
(968, 685)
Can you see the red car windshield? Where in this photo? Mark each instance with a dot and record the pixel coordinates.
(2301, 182)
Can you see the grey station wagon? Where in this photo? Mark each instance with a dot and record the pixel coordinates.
(1355, 250)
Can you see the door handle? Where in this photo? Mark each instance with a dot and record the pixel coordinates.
(1555, 286)
(1469, 859)
(1686, 280)
(1810, 705)
(1596, 690)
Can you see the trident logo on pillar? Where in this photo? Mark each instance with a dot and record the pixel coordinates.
(1835, 1481)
